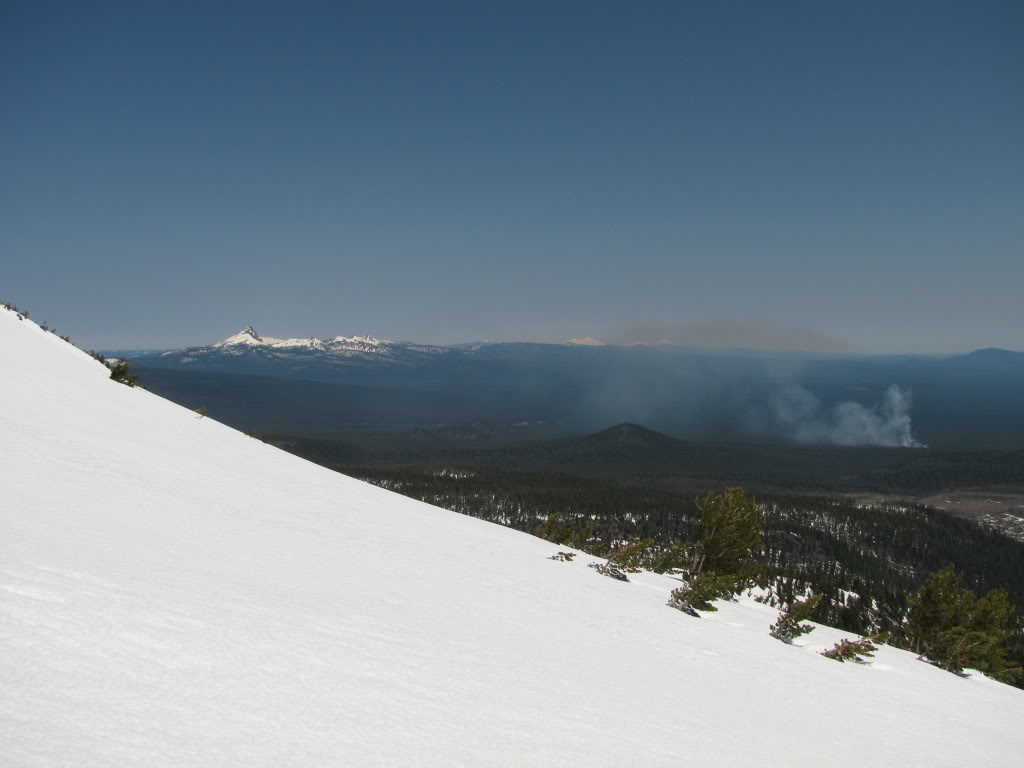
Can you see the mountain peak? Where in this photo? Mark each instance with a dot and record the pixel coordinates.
(630, 436)
(247, 335)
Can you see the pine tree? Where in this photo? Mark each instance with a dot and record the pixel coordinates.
(954, 629)
(856, 650)
(941, 605)
(120, 371)
(725, 532)
(700, 592)
(671, 558)
(788, 627)
(629, 557)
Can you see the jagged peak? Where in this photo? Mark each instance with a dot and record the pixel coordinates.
(247, 335)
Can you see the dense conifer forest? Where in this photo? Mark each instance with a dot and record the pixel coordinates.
(642, 455)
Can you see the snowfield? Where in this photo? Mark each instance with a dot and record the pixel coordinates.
(174, 593)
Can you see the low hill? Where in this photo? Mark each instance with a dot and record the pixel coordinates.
(992, 359)
(632, 451)
(174, 593)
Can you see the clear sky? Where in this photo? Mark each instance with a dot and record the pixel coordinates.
(816, 175)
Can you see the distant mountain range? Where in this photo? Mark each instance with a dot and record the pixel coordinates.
(327, 386)
(247, 347)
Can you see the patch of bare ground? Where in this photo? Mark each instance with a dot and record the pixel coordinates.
(1001, 509)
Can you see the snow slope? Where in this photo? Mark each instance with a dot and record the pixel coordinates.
(174, 593)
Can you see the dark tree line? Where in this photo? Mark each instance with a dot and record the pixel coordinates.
(646, 457)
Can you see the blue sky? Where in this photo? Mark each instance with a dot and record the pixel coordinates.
(811, 175)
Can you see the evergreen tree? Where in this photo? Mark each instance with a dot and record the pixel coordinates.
(856, 650)
(630, 556)
(725, 532)
(120, 371)
(941, 605)
(954, 629)
(788, 627)
(701, 591)
(671, 558)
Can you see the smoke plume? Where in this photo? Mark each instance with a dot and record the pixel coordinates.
(801, 416)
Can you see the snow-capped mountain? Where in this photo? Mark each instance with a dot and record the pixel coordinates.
(247, 336)
(341, 348)
(248, 352)
(174, 593)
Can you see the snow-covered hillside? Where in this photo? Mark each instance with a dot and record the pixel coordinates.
(174, 593)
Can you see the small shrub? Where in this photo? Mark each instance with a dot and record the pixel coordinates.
(856, 650)
(788, 627)
(564, 557)
(120, 372)
(630, 557)
(20, 314)
(701, 591)
(670, 559)
(609, 570)
(575, 533)
(201, 412)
